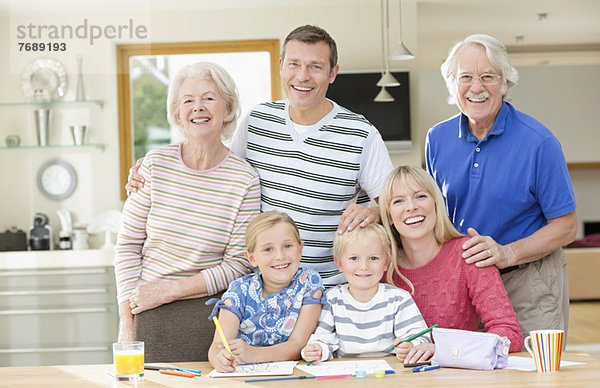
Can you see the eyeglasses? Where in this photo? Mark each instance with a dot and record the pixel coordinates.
(485, 79)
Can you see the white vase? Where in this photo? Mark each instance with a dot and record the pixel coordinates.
(80, 96)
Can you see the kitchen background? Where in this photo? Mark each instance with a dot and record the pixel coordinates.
(59, 307)
(566, 74)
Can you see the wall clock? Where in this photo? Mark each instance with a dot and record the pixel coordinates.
(57, 179)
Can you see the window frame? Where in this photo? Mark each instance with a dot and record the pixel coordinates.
(126, 51)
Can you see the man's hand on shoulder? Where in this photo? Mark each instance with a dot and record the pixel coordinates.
(357, 215)
(485, 251)
(134, 180)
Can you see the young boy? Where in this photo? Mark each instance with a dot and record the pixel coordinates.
(364, 317)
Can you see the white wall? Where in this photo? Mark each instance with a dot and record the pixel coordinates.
(355, 24)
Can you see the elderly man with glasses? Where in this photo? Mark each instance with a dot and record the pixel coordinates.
(506, 183)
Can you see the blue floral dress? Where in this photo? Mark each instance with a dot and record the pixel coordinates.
(271, 320)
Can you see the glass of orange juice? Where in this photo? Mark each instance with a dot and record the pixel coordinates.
(129, 360)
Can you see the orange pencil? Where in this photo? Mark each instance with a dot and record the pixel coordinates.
(176, 373)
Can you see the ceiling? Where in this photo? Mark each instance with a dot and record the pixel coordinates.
(568, 33)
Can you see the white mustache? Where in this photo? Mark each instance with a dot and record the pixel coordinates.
(477, 96)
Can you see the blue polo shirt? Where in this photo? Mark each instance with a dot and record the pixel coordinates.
(505, 186)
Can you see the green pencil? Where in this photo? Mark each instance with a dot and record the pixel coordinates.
(412, 337)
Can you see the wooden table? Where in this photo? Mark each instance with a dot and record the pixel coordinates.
(586, 375)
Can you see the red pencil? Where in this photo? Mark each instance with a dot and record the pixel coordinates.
(332, 377)
(176, 373)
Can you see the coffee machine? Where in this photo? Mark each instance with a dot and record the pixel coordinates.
(41, 237)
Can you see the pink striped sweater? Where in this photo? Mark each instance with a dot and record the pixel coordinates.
(185, 222)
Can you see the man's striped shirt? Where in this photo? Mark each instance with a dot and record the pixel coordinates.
(313, 176)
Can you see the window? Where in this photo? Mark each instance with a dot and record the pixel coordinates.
(143, 78)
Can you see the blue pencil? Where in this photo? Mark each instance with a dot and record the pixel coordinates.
(281, 378)
(425, 368)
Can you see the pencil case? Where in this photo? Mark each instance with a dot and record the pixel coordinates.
(469, 349)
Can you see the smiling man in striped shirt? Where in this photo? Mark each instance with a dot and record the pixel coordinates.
(317, 161)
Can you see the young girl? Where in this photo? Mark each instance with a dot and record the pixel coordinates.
(364, 317)
(268, 316)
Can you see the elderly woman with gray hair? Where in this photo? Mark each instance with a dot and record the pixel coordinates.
(182, 237)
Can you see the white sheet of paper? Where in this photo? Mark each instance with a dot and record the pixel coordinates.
(281, 368)
(332, 368)
(527, 364)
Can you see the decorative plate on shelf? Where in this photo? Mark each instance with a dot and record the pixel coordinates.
(44, 80)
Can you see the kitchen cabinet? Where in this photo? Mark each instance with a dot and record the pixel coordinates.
(57, 307)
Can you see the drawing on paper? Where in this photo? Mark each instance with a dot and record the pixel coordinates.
(331, 368)
(281, 368)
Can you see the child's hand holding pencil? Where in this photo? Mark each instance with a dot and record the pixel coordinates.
(226, 361)
(312, 354)
(400, 346)
(402, 349)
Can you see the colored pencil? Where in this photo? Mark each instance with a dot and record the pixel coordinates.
(332, 377)
(412, 337)
(423, 363)
(176, 373)
(157, 368)
(280, 378)
(218, 325)
(426, 368)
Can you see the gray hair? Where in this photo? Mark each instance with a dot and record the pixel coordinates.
(496, 52)
(225, 85)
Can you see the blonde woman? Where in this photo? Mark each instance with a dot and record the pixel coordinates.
(427, 251)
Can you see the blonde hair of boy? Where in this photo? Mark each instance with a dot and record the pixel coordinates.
(410, 176)
(370, 234)
(265, 221)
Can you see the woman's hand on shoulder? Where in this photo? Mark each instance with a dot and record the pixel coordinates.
(421, 352)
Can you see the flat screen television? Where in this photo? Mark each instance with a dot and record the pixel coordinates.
(356, 91)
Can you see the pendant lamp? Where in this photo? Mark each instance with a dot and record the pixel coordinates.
(387, 79)
(383, 96)
(402, 53)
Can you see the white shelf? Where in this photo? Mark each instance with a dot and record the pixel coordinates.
(56, 259)
(67, 147)
(53, 104)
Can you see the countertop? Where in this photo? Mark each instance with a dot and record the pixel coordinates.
(56, 259)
